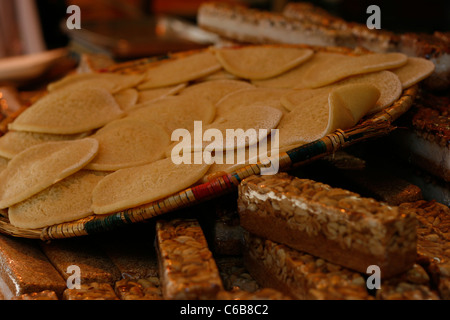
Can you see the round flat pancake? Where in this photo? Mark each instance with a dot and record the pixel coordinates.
(251, 96)
(386, 82)
(258, 118)
(261, 62)
(214, 90)
(219, 75)
(128, 142)
(132, 187)
(342, 108)
(299, 97)
(180, 70)
(38, 167)
(294, 78)
(14, 142)
(176, 113)
(68, 200)
(3, 163)
(327, 72)
(306, 123)
(357, 98)
(150, 95)
(69, 112)
(111, 82)
(241, 127)
(127, 98)
(414, 71)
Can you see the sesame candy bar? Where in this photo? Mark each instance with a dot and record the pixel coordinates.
(261, 294)
(43, 295)
(91, 291)
(299, 274)
(411, 285)
(433, 242)
(139, 289)
(331, 223)
(187, 268)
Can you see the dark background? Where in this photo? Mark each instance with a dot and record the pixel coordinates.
(398, 16)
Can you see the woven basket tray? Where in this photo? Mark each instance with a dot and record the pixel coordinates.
(376, 125)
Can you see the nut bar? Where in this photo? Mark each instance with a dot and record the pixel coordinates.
(331, 223)
(91, 291)
(433, 242)
(138, 289)
(43, 295)
(300, 275)
(187, 268)
(411, 285)
(262, 294)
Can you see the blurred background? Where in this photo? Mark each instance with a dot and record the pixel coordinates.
(132, 29)
(98, 16)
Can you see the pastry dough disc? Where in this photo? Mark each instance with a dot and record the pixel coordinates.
(127, 98)
(132, 187)
(68, 200)
(322, 74)
(414, 71)
(342, 108)
(214, 90)
(385, 81)
(38, 167)
(128, 142)
(14, 142)
(251, 96)
(261, 62)
(69, 112)
(151, 95)
(180, 70)
(111, 82)
(294, 78)
(176, 112)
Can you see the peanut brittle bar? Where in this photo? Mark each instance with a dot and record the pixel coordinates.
(43, 295)
(411, 285)
(91, 291)
(187, 267)
(139, 289)
(299, 274)
(433, 242)
(261, 294)
(331, 223)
